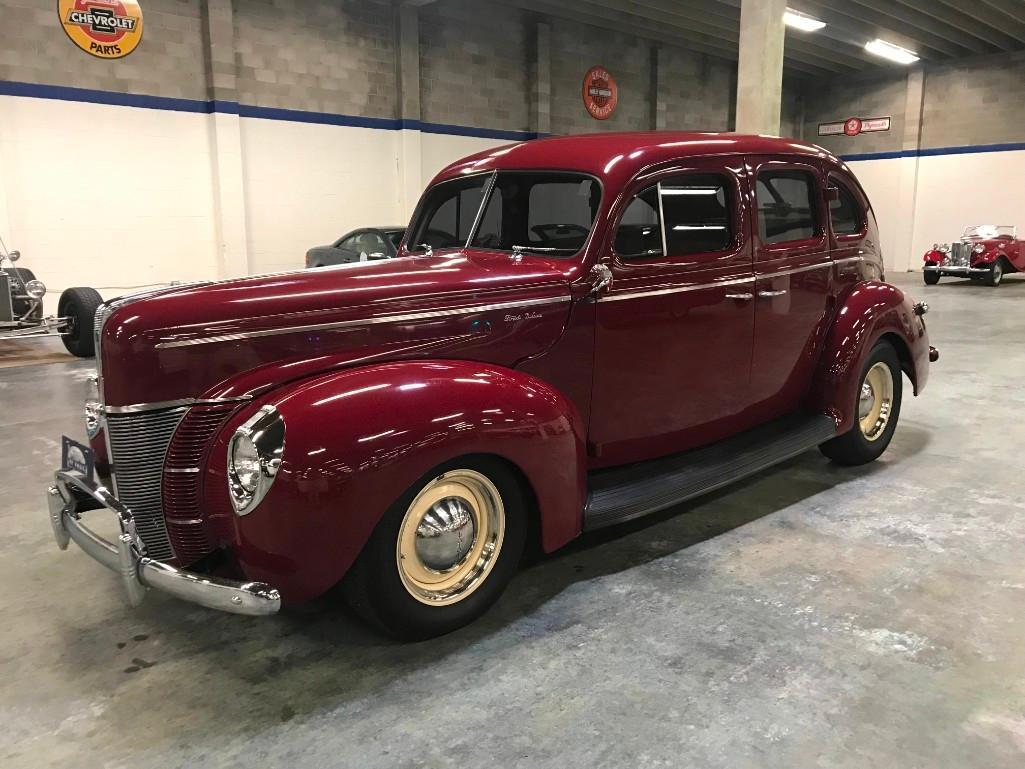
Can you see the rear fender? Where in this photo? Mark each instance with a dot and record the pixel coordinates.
(356, 440)
(871, 311)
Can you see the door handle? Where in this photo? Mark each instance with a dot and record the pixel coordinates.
(741, 297)
(770, 294)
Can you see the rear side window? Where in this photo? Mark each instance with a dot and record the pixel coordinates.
(845, 214)
(786, 206)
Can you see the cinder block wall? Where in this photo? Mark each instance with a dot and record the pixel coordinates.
(880, 95)
(316, 55)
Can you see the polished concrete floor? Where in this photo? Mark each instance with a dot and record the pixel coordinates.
(812, 617)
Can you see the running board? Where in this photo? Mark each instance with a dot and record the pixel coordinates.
(624, 493)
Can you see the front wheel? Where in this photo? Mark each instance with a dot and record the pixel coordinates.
(877, 407)
(78, 307)
(995, 274)
(443, 553)
(932, 277)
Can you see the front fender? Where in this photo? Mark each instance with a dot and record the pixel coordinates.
(870, 311)
(356, 440)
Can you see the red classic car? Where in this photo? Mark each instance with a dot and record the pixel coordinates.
(984, 252)
(576, 331)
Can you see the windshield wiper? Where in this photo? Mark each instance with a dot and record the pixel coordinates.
(544, 250)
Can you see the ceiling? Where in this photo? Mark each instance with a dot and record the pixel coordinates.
(937, 30)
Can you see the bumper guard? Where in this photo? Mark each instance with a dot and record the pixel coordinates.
(956, 269)
(128, 557)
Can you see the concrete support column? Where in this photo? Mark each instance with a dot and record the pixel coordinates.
(907, 200)
(541, 85)
(410, 152)
(231, 235)
(760, 66)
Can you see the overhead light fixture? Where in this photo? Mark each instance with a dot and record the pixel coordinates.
(890, 51)
(802, 21)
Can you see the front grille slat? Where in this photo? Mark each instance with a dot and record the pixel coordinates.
(138, 446)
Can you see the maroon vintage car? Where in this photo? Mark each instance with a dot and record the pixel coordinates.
(984, 252)
(576, 332)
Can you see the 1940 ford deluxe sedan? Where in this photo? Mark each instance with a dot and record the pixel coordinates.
(576, 331)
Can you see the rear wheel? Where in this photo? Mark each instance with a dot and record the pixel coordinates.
(78, 307)
(877, 407)
(995, 275)
(931, 277)
(443, 553)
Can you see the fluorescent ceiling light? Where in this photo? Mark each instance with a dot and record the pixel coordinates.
(891, 51)
(802, 21)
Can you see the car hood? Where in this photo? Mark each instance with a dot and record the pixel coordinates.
(238, 337)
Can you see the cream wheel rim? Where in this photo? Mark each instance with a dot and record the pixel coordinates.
(876, 401)
(450, 537)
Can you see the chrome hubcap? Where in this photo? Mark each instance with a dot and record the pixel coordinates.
(450, 537)
(445, 534)
(875, 401)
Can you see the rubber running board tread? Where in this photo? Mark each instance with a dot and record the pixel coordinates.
(624, 493)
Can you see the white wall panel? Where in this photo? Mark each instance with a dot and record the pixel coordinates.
(107, 196)
(306, 184)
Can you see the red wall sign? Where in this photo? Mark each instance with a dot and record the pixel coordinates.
(600, 93)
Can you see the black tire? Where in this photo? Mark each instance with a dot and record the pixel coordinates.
(931, 277)
(79, 305)
(853, 447)
(995, 276)
(21, 306)
(374, 587)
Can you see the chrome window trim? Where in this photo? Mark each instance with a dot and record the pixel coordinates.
(169, 343)
(731, 282)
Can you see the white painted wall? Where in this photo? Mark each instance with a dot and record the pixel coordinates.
(952, 192)
(307, 184)
(438, 150)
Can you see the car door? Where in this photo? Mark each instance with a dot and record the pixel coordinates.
(675, 326)
(793, 285)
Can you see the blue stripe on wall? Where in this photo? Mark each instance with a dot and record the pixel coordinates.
(91, 96)
(934, 151)
(142, 101)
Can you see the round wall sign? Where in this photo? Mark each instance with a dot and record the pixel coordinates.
(108, 29)
(600, 93)
(852, 126)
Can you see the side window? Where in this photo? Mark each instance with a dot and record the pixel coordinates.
(349, 243)
(370, 242)
(845, 214)
(639, 235)
(449, 211)
(786, 206)
(697, 214)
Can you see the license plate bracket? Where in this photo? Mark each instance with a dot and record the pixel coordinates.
(78, 458)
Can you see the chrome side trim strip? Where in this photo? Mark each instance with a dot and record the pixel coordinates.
(731, 282)
(404, 318)
(137, 408)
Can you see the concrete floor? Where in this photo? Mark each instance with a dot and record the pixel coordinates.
(812, 617)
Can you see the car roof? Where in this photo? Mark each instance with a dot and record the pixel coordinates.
(619, 157)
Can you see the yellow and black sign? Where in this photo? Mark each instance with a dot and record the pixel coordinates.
(109, 29)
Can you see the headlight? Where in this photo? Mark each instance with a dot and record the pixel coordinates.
(35, 289)
(14, 255)
(254, 458)
(979, 248)
(944, 249)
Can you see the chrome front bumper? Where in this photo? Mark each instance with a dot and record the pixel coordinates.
(956, 269)
(128, 555)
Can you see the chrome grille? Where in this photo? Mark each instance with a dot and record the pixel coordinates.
(138, 445)
(960, 255)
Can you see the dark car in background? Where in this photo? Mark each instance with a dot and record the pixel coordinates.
(362, 245)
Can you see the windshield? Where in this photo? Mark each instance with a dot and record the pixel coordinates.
(544, 212)
(987, 231)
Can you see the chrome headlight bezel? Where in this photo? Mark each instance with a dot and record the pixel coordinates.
(979, 248)
(263, 434)
(943, 248)
(35, 289)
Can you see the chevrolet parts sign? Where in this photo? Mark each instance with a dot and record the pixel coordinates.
(108, 29)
